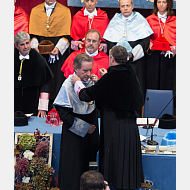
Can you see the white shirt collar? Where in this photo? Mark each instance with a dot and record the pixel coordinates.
(90, 15)
(162, 17)
(23, 57)
(85, 83)
(93, 54)
(49, 8)
(127, 18)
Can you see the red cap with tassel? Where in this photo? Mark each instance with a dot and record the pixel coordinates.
(161, 44)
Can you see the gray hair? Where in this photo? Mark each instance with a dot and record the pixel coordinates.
(119, 53)
(21, 37)
(92, 31)
(131, 2)
(80, 58)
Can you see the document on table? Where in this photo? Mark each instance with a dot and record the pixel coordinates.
(143, 121)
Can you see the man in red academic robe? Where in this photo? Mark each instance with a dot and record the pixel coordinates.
(101, 60)
(88, 18)
(21, 20)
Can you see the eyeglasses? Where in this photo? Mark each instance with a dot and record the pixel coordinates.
(93, 41)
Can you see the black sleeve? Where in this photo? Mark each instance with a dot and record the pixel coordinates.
(145, 44)
(110, 45)
(84, 95)
(45, 87)
(66, 115)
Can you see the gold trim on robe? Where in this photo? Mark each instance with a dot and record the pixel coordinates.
(59, 21)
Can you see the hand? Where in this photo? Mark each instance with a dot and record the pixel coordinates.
(100, 47)
(173, 50)
(150, 45)
(42, 113)
(107, 187)
(131, 56)
(91, 128)
(80, 45)
(74, 79)
(55, 51)
(102, 71)
(94, 78)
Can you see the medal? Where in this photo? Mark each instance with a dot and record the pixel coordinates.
(19, 78)
(124, 34)
(91, 102)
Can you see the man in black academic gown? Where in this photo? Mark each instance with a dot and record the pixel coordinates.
(119, 94)
(31, 77)
(79, 140)
(51, 21)
(132, 27)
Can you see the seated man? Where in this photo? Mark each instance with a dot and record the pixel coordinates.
(79, 141)
(132, 27)
(101, 60)
(85, 19)
(93, 180)
(31, 77)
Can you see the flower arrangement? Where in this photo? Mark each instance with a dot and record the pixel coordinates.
(27, 141)
(31, 168)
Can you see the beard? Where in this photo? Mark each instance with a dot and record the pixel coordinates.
(90, 49)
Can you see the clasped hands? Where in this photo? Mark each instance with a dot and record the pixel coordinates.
(171, 52)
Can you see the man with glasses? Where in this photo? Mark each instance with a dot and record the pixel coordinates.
(92, 42)
(85, 19)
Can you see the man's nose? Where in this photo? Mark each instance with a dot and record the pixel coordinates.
(25, 46)
(91, 42)
(89, 73)
(89, 3)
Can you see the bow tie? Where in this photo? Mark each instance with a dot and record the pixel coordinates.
(50, 6)
(24, 57)
(90, 15)
(162, 17)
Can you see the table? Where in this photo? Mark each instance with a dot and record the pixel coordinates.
(161, 169)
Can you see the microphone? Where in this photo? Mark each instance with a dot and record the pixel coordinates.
(147, 126)
(152, 142)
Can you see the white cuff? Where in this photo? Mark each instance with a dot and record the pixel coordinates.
(104, 46)
(78, 86)
(62, 45)
(43, 101)
(137, 52)
(74, 45)
(34, 43)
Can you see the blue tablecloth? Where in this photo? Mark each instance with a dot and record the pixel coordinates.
(161, 169)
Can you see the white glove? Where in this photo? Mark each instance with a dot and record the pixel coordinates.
(52, 58)
(168, 53)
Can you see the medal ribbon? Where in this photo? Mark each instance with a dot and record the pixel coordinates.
(21, 67)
